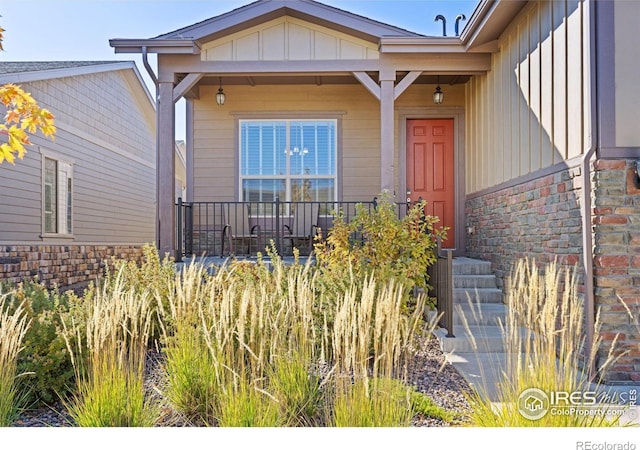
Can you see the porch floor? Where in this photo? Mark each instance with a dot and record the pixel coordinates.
(211, 263)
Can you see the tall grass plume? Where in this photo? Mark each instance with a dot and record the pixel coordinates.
(109, 359)
(544, 339)
(13, 328)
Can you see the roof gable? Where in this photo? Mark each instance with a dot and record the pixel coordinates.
(288, 39)
(263, 11)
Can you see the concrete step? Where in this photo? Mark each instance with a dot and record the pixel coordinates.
(491, 314)
(477, 295)
(474, 281)
(469, 266)
(479, 339)
(485, 339)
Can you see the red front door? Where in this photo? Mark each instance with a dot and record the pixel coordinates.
(430, 170)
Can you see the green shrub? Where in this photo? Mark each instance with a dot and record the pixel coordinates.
(423, 405)
(44, 359)
(377, 242)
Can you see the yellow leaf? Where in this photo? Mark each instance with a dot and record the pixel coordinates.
(22, 109)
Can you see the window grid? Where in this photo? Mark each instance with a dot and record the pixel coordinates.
(303, 138)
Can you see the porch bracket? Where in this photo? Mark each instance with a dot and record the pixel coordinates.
(405, 83)
(186, 85)
(368, 83)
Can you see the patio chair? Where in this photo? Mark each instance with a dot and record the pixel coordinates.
(304, 224)
(238, 227)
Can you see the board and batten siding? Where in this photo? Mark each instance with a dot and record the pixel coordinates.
(288, 39)
(529, 111)
(627, 68)
(108, 133)
(216, 143)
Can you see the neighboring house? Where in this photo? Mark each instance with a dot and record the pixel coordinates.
(532, 153)
(181, 170)
(89, 194)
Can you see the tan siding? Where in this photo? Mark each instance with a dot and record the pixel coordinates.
(514, 90)
(108, 133)
(526, 113)
(574, 78)
(627, 64)
(546, 83)
(20, 206)
(215, 142)
(560, 80)
(535, 89)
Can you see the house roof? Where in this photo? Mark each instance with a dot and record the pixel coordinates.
(189, 39)
(263, 10)
(38, 66)
(485, 25)
(27, 71)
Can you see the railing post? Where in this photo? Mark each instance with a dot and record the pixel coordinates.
(449, 294)
(188, 226)
(179, 231)
(278, 225)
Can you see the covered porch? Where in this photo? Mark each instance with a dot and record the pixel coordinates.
(285, 65)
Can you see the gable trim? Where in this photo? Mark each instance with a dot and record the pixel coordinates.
(308, 10)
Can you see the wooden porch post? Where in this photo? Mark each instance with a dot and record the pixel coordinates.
(166, 169)
(387, 99)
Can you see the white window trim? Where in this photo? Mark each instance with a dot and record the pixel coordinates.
(48, 154)
(291, 118)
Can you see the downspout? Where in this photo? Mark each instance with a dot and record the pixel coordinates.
(587, 257)
(145, 62)
(585, 204)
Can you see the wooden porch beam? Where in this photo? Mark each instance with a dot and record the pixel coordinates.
(405, 83)
(172, 64)
(186, 85)
(368, 83)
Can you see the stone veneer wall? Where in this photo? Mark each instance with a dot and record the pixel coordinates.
(541, 219)
(61, 265)
(616, 222)
(538, 218)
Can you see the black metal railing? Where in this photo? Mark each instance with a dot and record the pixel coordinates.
(441, 279)
(223, 228)
(236, 228)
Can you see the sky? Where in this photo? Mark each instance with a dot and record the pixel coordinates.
(69, 30)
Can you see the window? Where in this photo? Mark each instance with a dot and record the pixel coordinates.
(292, 159)
(57, 198)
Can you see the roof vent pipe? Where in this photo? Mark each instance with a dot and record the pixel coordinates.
(444, 23)
(459, 17)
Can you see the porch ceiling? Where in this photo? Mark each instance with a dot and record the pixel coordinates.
(265, 80)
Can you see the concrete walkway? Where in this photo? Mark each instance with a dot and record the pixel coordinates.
(477, 351)
(485, 371)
